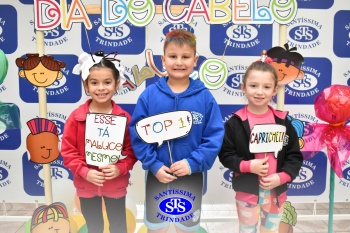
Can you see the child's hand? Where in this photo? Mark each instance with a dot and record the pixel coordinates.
(259, 166)
(95, 177)
(180, 168)
(164, 175)
(110, 171)
(270, 182)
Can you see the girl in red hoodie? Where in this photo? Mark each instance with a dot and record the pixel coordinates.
(95, 184)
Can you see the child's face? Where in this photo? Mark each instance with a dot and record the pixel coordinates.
(259, 88)
(101, 85)
(179, 60)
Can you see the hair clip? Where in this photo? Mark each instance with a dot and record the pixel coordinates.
(86, 61)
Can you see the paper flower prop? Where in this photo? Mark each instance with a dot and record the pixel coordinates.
(42, 143)
(332, 105)
(3, 66)
(86, 61)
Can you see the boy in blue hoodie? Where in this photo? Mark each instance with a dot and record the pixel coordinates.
(174, 186)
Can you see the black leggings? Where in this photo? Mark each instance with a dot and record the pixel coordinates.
(91, 209)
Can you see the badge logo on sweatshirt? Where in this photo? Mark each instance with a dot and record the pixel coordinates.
(5, 168)
(197, 118)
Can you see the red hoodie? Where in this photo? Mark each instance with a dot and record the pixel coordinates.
(73, 153)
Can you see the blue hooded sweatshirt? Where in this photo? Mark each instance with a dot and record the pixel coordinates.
(200, 147)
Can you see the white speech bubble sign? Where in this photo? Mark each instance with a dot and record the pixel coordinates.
(104, 138)
(165, 126)
(267, 138)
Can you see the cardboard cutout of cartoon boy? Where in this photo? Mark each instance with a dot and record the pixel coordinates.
(50, 218)
(286, 63)
(40, 71)
(42, 143)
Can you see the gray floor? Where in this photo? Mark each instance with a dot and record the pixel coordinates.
(224, 213)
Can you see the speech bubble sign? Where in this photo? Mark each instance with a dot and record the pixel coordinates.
(267, 138)
(104, 138)
(165, 126)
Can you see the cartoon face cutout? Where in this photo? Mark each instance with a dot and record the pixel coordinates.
(40, 71)
(287, 74)
(42, 143)
(41, 76)
(286, 63)
(43, 147)
(52, 218)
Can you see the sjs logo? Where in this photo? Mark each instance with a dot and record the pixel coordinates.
(175, 206)
(345, 181)
(52, 37)
(303, 33)
(4, 173)
(228, 175)
(305, 177)
(242, 33)
(171, 27)
(234, 80)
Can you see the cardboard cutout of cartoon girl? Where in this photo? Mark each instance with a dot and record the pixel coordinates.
(50, 218)
(40, 71)
(286, 63)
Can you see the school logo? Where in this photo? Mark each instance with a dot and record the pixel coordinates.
(8, 29)
(10, 132)
(53, 37)
(345, 181)
(197, 118)
(169, 27)
(232, 87)
(315, 4)
(341, 34)
(176, 205)
(304, 33)
(5, 168)
(311, 177)
(227, 175)
(124, 39)
(243, 40)
(346, 75)
(318, 73)
(33, 175)
(67, 89)
(59, 119)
